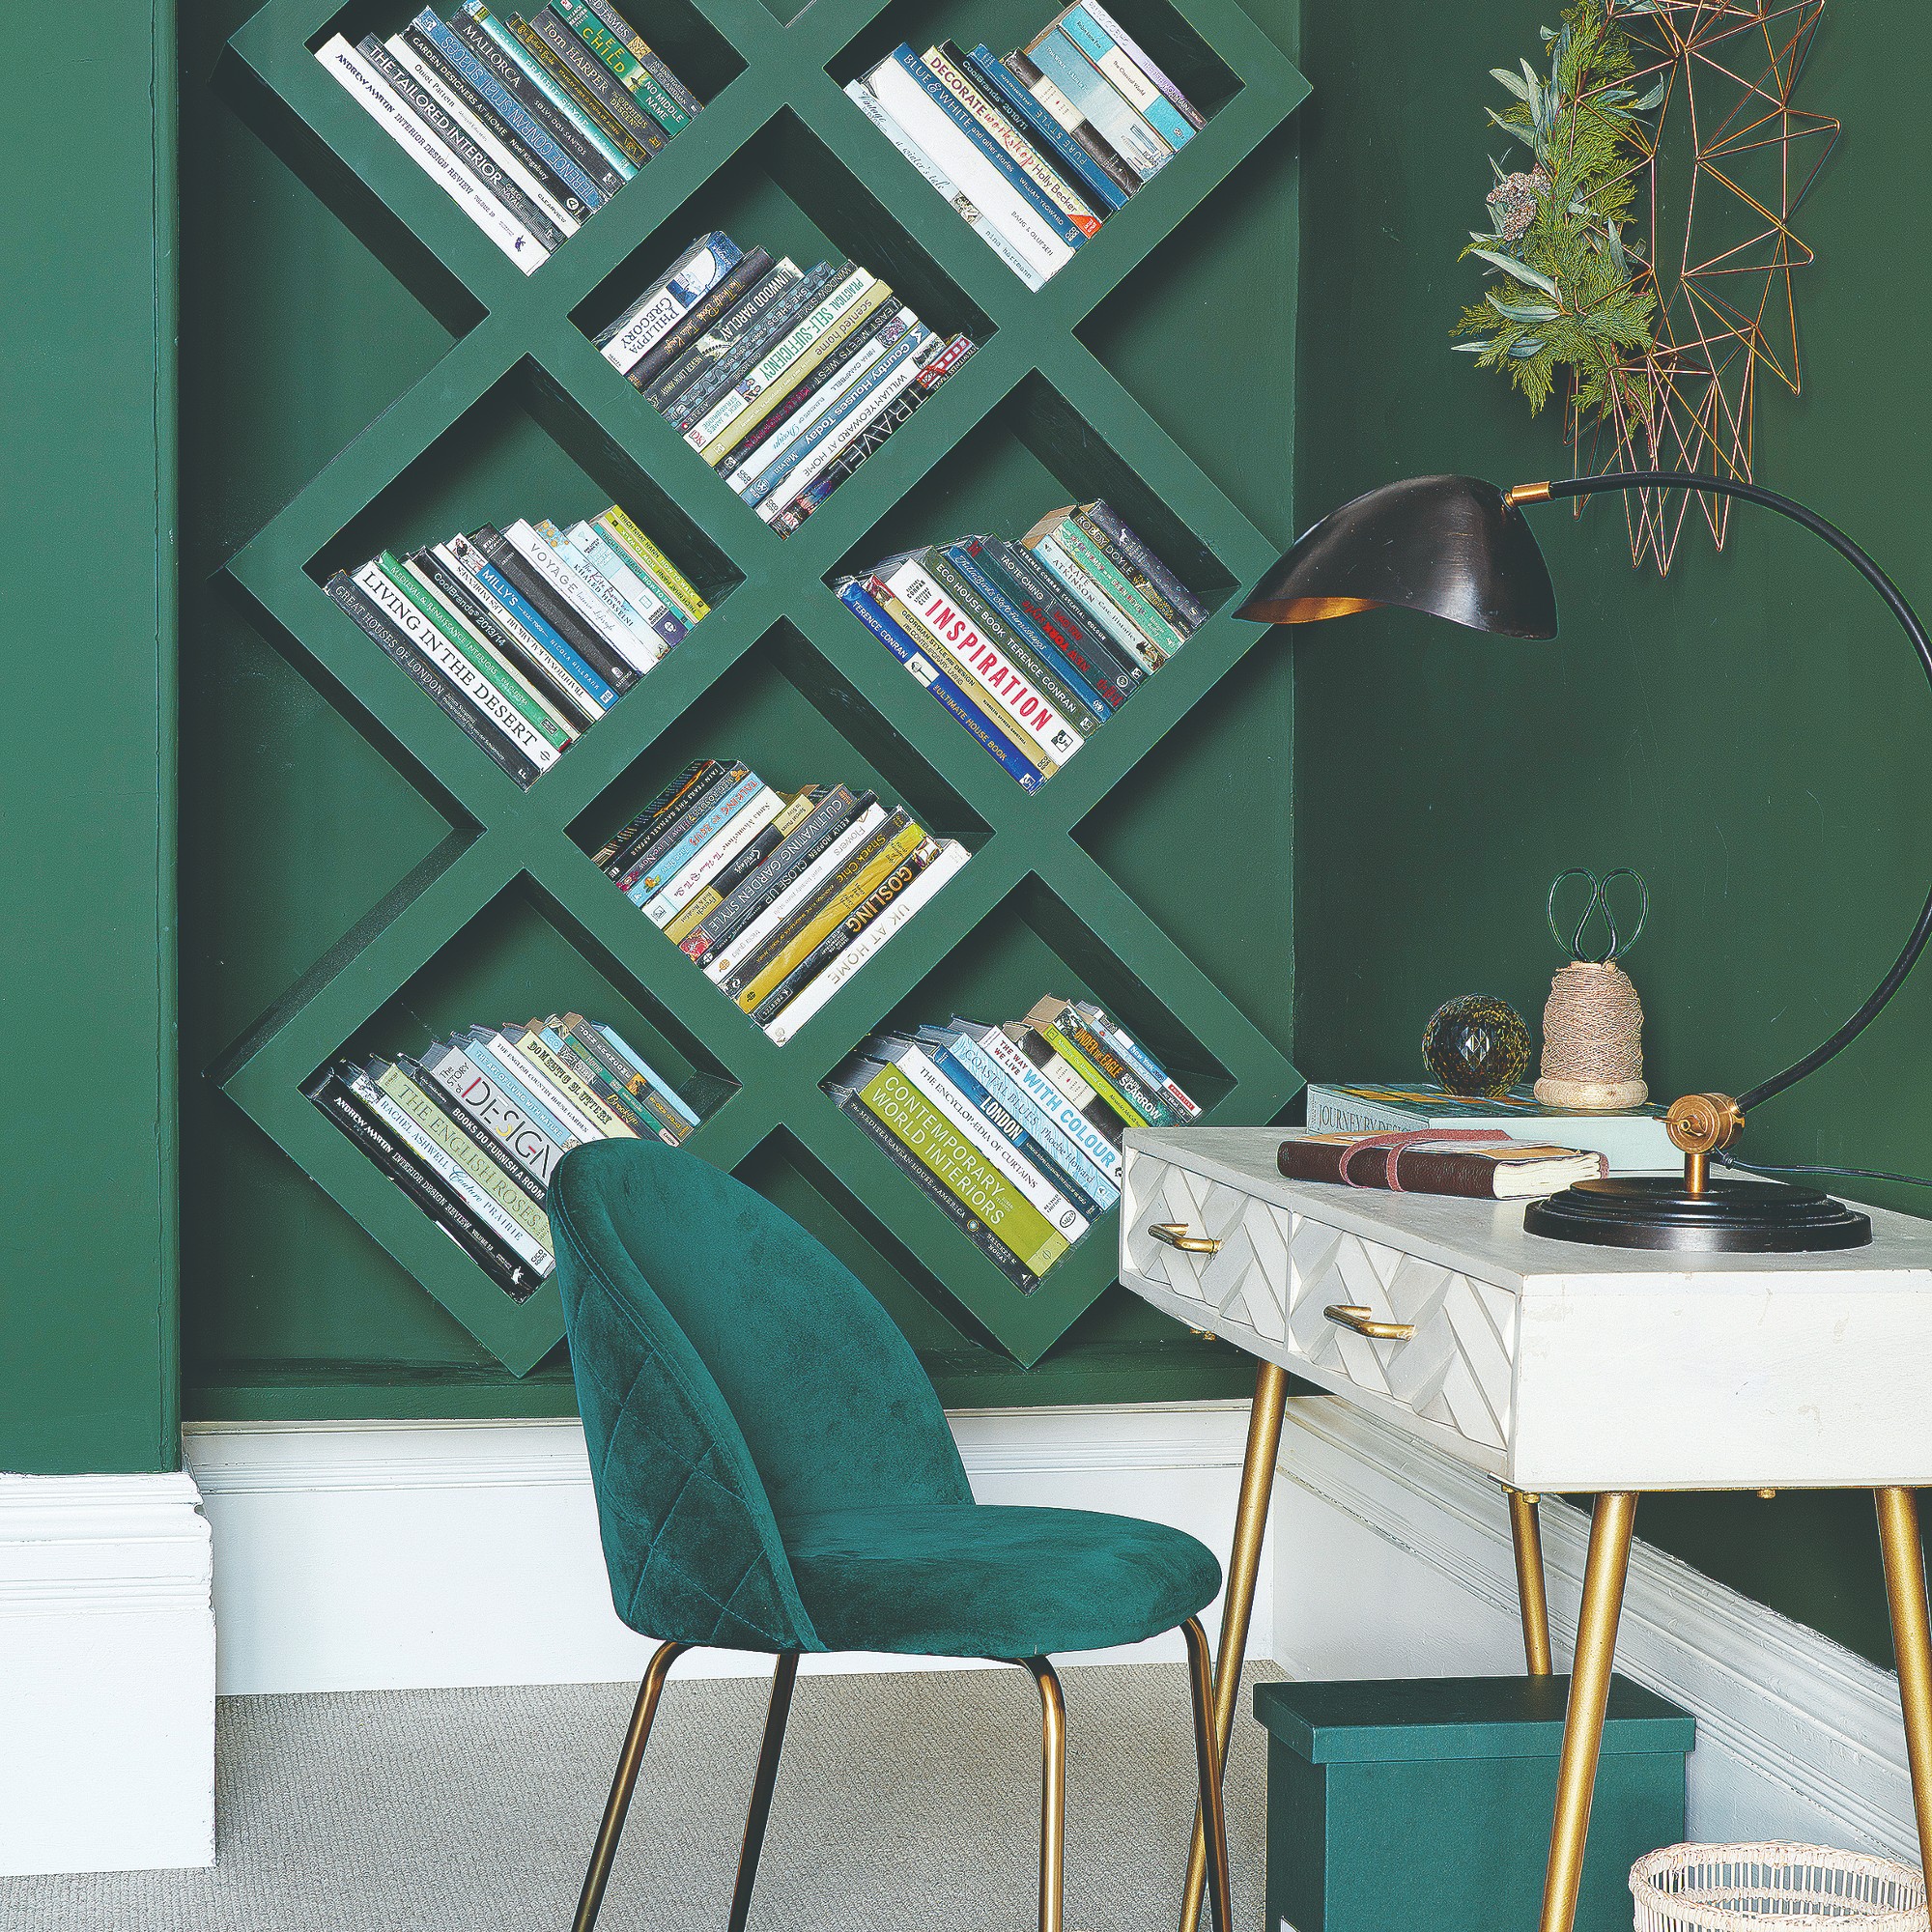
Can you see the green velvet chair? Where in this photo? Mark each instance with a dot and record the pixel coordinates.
(774, 1473)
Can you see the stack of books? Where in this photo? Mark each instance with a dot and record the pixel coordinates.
(1014, 1130)
(779, 897)
(529, 125)
(784, 380)
(1037, 150)
(528, 634)
(473, 1130)
(1031, 647)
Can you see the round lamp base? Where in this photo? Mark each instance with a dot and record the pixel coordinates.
(1656, 1210)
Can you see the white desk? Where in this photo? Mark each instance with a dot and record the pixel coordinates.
(1551, 1366)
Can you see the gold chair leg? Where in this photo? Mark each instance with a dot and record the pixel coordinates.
(1208, 1759)
(1237, 1604)
(1911, 1642)
(629, 1761)
(1604, 1573)
(1527, 1534)
(762, 1787)
(1052, 1793)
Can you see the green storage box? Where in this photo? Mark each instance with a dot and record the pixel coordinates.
(1424, 1805)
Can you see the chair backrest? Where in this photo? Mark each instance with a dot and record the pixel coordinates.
(733, 1375)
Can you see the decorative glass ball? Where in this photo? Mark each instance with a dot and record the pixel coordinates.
(1477, 1045)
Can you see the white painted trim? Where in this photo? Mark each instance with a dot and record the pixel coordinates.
(363, 1556)
(107, 1650)
(1795, 1733)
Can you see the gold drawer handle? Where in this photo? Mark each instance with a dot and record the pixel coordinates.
(1351, 1314)
(1175, 1234)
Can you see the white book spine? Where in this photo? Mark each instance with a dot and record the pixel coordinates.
(383, 103)
(477, 646)
(659, 310)
(867, 103)
(822, 985)
(476, 1093)
(1020, 152)
(795, 895)
(1060, 1213)
(816, 409)
(619, 609)
(1070, 1083)
(440, 91)
(454, 1175)
(443, 654)
(568, 585)
(1035, 1083)
(738, 832)
(598, 551)
(912, 584)
(783, 355)
(468, 567)
(995, 196)
(823, 455)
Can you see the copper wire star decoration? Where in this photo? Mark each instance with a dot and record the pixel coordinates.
(1725, 309)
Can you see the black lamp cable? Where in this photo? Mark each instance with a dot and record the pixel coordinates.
(1769, 1168)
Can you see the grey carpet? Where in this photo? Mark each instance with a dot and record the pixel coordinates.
(906, 1803)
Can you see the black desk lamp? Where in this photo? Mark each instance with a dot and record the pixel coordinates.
(1462, 549)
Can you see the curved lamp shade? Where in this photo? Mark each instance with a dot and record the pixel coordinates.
(1449, 545)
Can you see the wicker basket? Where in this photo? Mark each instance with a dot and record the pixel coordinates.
(1775, 1888)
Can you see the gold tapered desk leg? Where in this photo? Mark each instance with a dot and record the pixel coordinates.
(1912, 1641)
(1527, 1534)
(1603, 1603)
(1237, 1604)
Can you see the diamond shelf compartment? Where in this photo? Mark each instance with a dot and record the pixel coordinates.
(787, 191)
(1163, 31)
(1031, 453)
(795, 720)
(524, 448)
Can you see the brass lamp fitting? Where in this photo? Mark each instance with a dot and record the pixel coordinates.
(1699, 1123)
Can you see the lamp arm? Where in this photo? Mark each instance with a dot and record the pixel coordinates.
(1640, 479)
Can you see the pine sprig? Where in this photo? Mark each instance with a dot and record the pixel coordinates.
(1575, 292)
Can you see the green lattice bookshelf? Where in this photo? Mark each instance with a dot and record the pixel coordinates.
(523, 416)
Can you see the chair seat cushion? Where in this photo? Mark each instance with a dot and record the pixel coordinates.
(969, 1579)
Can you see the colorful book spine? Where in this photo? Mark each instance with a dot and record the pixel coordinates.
(568, 172)
(480, 1096)
(1082, 25)
(1076, 699)
(1026, 113)
(1078, 129)
(705, 369)
(562, 101)
(1193, 613)
(909, 92)
(510, 71)
(1019, 1131)
(844, 421)
(622, 29)
(914, 584)
(962, 1168)
(381, 102)
(627, 536)
(1102, 676)
(1049, 192)
(646, 886)
(711, 858)
(668, 301)
(1096, 99)
(631, 71)
(858, 599)
(821, 988)
(1062, 1108)
(1040, 1119)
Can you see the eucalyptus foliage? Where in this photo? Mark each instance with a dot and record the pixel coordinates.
(1574, 290)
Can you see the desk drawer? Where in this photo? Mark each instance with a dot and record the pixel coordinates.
(1268, 1282)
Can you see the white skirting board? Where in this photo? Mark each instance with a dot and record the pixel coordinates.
(1393, 1561)
(107, 1659)
(366, 1556)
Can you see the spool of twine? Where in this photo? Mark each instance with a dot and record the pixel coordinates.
(1592, 1039)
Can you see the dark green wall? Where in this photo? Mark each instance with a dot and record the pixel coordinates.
(1750, 732)
(87, 967)
(295, 338)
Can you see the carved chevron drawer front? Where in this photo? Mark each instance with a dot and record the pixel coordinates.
(1276, 1273)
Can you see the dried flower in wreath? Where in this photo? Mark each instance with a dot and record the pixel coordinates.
(1662, 345)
